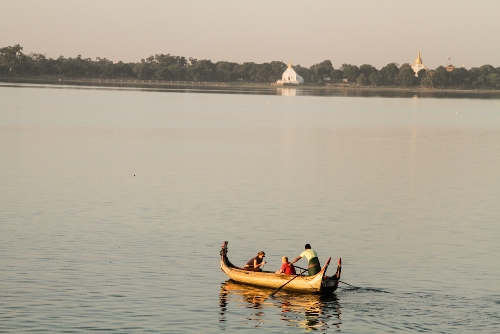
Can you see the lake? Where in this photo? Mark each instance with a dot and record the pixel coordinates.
(114, 204)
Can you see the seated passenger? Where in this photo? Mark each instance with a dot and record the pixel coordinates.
(286, 268)
(256, 262)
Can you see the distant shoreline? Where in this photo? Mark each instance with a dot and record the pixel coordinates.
(337, 89)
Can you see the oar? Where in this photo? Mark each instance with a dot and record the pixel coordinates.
(281, 287)
(350, 285)
(300, 267)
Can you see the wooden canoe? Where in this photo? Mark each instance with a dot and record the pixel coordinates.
(318, 283)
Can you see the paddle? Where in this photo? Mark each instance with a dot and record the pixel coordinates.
(281, 287)
(300, 267)
(350, 285)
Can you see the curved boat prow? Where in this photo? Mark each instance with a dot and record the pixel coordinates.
(339, 265)
(224, 248)
(330, 284)
(325, 267)
(224, 261)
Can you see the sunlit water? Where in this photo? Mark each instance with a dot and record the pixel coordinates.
(114, 204)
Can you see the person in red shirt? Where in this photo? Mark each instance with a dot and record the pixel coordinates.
(286, 268)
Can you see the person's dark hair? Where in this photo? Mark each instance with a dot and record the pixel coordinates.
(307, 246)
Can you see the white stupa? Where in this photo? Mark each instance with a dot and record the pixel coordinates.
(290, 77)
(418, 65)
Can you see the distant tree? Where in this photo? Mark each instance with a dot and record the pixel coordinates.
(304, 73)
(336, 74)
(277, 69)
(351, 72)
(367, 70)
(473, 73)
(58, 66)
(11, 59)
(246, 71)
(178, 72)
(441, 77)
(121, 69)
(420, 75)
(494, 80)
(105, 68)
(459, 77)
(41, 64)
(263, 72)
(389, 74)
(361, 79)
(225, 70)
(406, 76)
(322, 70)
(427, 80)
(162, 73)
(375, 78)
(203, 70)
(486, 69)
(481, 75)
(168, 60)
(143, 70)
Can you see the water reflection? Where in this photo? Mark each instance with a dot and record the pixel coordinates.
(262, 89)
(307, 311)
(288, 91)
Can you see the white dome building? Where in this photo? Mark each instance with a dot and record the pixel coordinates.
(290, 77)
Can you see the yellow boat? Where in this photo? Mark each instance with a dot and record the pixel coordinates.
(318, 283)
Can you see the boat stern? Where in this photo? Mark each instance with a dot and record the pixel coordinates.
(330, 284)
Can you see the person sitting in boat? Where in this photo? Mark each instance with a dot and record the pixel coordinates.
(286, 268)
(313, 266)
(256, 262)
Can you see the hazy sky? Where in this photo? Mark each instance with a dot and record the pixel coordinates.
(307, 32)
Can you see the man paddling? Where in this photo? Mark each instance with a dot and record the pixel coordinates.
(313, 266)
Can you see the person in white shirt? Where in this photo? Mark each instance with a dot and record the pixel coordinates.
(313, 265)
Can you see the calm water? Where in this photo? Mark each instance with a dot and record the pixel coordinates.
(114, 204)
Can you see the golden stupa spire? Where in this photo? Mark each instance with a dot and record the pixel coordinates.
(419, 60)
(290, 64)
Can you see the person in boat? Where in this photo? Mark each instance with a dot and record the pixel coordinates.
(313, 265)
(256, 263)
(286, 268)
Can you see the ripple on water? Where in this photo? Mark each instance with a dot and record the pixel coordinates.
(353, 309)
(113, 205)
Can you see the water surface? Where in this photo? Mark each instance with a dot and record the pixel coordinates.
(114, 205)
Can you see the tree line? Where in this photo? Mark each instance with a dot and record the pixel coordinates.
(13, 62)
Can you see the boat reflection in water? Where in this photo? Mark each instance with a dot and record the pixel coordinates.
(308, 311)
